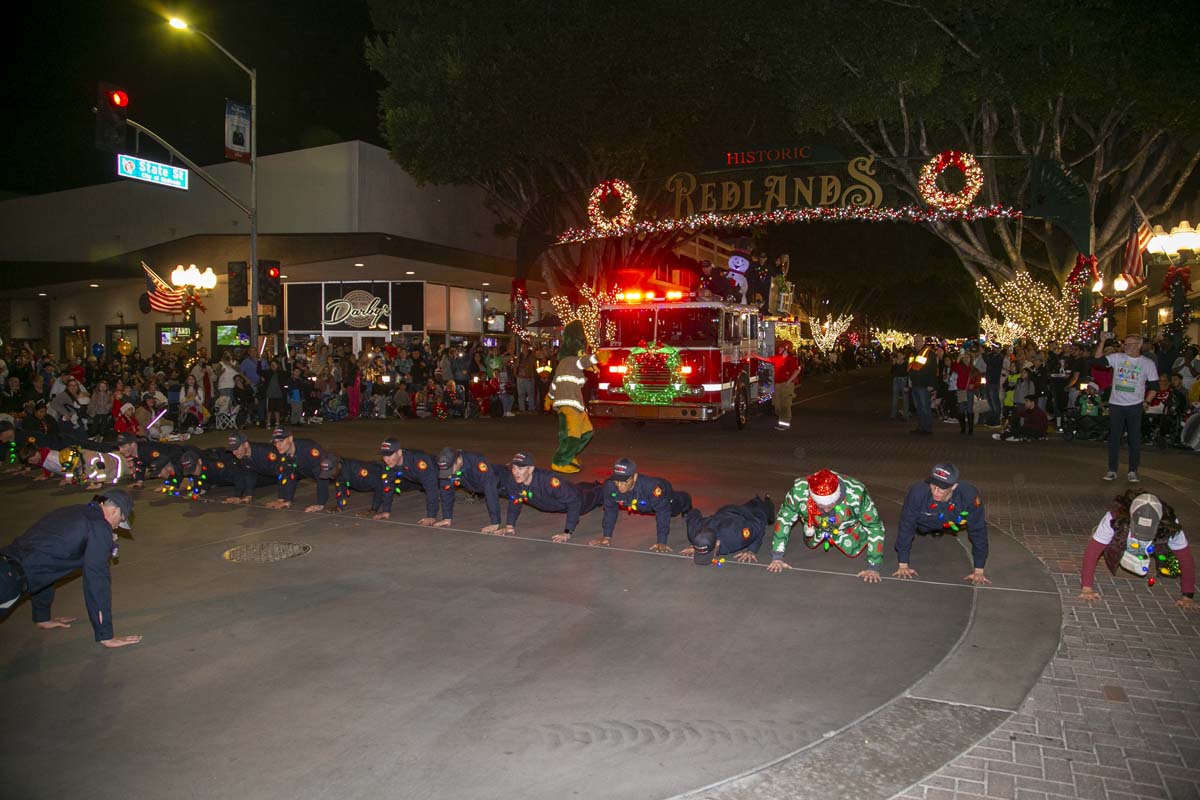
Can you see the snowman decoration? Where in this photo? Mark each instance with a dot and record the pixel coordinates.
(739, 263)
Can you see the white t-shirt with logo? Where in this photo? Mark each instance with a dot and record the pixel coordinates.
(1130, 376)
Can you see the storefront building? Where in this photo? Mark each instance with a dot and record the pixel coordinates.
(365, 253)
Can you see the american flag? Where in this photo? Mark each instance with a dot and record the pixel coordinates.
(1139, 238)
(163, 298)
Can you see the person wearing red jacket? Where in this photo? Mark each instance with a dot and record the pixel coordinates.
(125, 422)
(787, 376)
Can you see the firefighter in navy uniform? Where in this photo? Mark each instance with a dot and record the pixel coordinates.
(938, 505)
(201, 470)
(733, 530)
(473, 472)
(298, 458)
(627, 490)
(407, 469)
(527, 484)
(140, 453)
(75, 538)
(258, 459)
(347, 475)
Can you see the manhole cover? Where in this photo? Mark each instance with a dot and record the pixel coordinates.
(265, 552)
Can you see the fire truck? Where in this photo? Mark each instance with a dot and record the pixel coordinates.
(676, 357)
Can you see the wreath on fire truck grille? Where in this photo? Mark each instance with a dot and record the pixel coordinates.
(654, 377)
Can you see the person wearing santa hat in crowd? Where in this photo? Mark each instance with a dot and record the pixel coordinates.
(835, 510)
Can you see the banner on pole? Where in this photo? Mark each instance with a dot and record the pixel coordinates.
(237, 131)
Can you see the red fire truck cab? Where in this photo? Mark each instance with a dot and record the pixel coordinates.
(679, 358)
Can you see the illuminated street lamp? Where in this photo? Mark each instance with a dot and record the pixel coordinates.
(194, 278)
(1120, 284)
(181, 25)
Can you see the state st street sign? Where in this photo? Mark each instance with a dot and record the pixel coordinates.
(141, 169)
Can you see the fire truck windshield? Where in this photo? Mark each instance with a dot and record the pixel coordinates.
(678, 327)
(628, 327)
(682, 327)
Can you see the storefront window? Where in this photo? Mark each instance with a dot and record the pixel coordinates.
(435, 307)
(466, 309)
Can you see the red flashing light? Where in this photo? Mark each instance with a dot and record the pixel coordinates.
(273, 272)
(685, 370)
(675, 295)
(118, 98)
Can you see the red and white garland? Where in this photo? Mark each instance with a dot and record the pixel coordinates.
(951, 201)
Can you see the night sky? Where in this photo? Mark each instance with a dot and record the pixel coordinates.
(314, 85)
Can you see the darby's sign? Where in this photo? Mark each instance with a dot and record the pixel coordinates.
(775, 189)
(358, 309)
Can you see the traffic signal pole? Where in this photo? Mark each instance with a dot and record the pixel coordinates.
(251, 287)
(194, 167)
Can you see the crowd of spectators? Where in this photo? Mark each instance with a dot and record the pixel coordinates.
(107, 392)
(1023, 391)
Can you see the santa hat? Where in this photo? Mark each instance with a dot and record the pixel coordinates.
(824, 487)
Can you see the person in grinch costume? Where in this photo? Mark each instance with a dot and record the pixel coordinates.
(566, 398)
(835, 510)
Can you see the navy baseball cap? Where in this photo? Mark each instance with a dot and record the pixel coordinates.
(188, 461)
(327, 465)
(390, 446)
(235, 440)
(121, 499)
(280, 433)
(522, 459)
(624, 469)
(126, 438)
(704, 543)
(445, 462)
(944, 475)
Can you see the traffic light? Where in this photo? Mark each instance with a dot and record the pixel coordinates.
(112, 109)
(237, 284)
(270, 292)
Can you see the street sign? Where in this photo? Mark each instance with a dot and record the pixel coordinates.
(141, 169)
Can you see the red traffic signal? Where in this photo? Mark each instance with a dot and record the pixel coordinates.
(272, 272)
(118, 98)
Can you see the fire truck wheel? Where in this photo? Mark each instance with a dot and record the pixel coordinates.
(739, 415)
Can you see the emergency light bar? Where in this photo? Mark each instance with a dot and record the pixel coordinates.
(637, 297)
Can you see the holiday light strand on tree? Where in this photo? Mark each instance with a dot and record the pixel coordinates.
(587, 312)
(892, 339)
(1001, 332)
(785, 216)
(1042, 315)
(827, 333)
(951, 159)
(522, 303)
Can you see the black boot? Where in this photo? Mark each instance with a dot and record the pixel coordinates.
(971, 425)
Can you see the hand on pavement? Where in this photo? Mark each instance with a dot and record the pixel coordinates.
(688, 551)
(778, 566)
(870, 576)
(382, 515)
(137, 484)
(745, 557)
(600, 541)
(313, 509)
(121, 641)
(490, 529)
(659, 548)
(977, 578)
(507, 530)
(905, 572)
(1187, 604)
(57, 622)
(279, 504)
(444, 523)
(1089, 595)
(427, 521)
(561, 537)
(235, 500)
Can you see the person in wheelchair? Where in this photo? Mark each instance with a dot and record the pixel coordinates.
(1090, 418)
(1163, 412)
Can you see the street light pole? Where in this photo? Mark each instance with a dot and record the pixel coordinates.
(252, 270)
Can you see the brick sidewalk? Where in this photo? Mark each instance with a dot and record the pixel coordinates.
(1116, 714)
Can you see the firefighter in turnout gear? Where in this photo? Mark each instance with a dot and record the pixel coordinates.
(566, 398)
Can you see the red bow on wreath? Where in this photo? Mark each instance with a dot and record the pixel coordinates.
(1084, 263)
(1177, 276)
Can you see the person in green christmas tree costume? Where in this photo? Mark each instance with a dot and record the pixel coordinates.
(835, 510)
(566, 398)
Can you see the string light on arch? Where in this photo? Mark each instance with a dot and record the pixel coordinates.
(827, 333)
